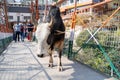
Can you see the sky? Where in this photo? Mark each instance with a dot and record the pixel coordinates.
(17, 0)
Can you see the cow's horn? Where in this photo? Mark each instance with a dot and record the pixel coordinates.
(51, 22)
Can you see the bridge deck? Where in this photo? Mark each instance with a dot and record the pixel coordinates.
(20, 62)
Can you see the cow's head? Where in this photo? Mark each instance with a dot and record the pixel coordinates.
(54, 12)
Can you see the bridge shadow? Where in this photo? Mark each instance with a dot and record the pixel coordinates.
(83, 72)
(43, 69)
(25, 66)
(22, 66)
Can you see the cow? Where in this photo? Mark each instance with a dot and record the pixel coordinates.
(53, 36)
(42, 32)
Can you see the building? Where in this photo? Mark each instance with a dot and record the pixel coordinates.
(10, 1)
(112, 6)
(40, 2)
(17, 12)
(21, 11)
(85, 6)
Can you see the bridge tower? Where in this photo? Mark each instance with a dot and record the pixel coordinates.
(4, 16)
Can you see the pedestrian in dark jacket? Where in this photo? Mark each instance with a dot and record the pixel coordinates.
(30, 28)
(22, 32)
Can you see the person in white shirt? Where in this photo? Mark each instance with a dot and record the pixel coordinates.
(17, 28)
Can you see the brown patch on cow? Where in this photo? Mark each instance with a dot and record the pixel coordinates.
(59, 44)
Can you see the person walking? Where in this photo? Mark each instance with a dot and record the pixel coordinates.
(14, 32)
(30, 28)
(16, 28)
(22, 32)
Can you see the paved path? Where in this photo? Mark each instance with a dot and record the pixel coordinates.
(20, 62)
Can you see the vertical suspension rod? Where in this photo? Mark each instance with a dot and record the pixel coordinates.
(37, 10)
(6, 17)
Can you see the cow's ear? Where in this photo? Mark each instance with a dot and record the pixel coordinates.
(58, 10)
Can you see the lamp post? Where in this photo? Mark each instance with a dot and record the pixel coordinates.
(70, 52)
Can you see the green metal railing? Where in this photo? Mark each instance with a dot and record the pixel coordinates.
(99, 47)
(109, 62)
(4, 43)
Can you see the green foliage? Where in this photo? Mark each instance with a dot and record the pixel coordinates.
(118, 32)
(82, 38)
(93, 57)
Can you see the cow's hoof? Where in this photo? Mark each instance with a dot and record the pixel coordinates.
(40, 55)
(60, 68)
(50, 65)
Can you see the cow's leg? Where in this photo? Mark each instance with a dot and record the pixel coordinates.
(50, 54)
(60, 46)
(59, 62)
(50, 59)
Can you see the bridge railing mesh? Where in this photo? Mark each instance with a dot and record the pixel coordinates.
(4, 43)
(91, 54)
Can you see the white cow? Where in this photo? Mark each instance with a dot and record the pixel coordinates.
(42, 32)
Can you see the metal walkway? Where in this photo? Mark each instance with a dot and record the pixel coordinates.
(20, 62)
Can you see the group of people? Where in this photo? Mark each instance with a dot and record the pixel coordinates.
(22, 31)
(26, 30)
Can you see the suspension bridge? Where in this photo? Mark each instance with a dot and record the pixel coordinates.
(19, 61)
(96, 57)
